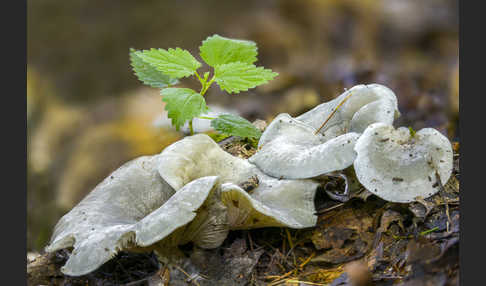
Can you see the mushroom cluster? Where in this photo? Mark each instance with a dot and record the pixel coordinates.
(193, 191)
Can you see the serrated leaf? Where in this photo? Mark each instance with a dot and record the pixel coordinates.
(217, 50)
(177, 63)
(147, 73)
(238, 76)
(183, 104)
(236, 126)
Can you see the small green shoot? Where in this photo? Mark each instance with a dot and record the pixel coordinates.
(412, 132)
(233, 70)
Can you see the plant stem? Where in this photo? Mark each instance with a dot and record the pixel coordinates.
(190, 127)
(200, 79)
(204, 83)
(206, 86)
(206, 117)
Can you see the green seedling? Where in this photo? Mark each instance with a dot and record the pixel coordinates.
(233, 70)
(412, 131)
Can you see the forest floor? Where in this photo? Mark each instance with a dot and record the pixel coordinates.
(360, 241)
(319, 48)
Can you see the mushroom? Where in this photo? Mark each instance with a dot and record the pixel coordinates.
(199, 156)
(321, 140)
(285, 202)
(399, 167)
(133, 207)
(292, 149)
(193, 191)
(353, 110)
(282, 207)
(159, 202)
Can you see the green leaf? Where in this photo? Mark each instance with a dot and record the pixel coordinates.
(236, 126)
(238, 76)
(148, 74)
(217, 50)
(176, 62)
(183, 104)
(217, 137)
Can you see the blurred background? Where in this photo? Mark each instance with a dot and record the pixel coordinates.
(87, 113)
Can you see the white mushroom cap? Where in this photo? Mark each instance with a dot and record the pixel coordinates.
(131, 207)
(135, 207)
(290, 149)
(199, 156)
(125, 196)
(178, 211)
(289, 205)
(365, 105)
(287, 202)
(398, 168)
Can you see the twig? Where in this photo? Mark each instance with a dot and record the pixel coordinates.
(290, 280)
(291, 244)
(329, 209)
(425, 232)
(138, 282)
(251, 241)
(289, 237)
(442, 189)
(301, 266)
(187, 274)
(283, 276)
(429, 231)
(332, 113)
